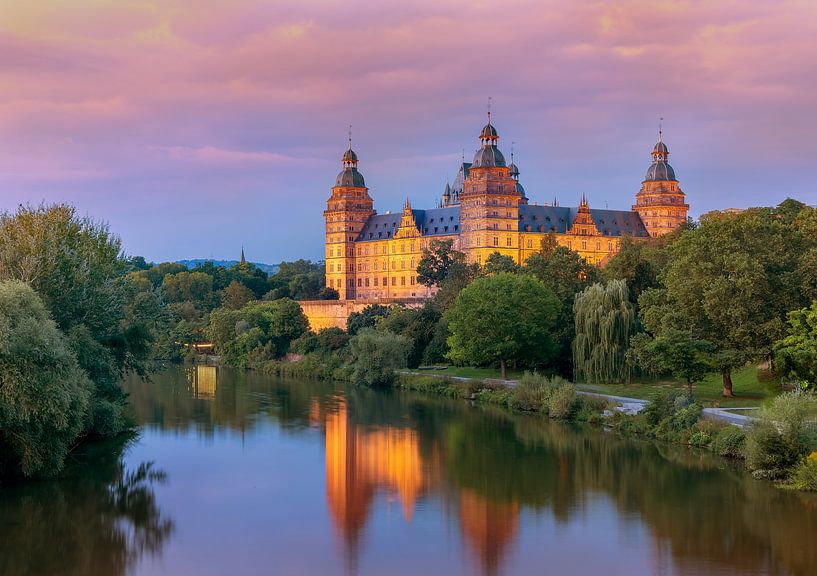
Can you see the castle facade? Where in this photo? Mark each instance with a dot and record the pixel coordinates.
(374, 257)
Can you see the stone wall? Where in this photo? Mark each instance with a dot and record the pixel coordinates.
(329, 313)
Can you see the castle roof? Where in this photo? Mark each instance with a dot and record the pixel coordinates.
(532, 218)
(350, 177)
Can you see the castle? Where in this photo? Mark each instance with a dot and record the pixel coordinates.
(374, 257)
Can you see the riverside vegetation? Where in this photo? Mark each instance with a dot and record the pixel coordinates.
(658, 309)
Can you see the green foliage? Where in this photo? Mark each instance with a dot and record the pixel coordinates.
(677, 424)
(731, 282)
(417, 324)
(673, 351)
(665, 404)
(366, 318)
(503, 318)
(639, 263)
(45, 396)
(605, 320)
(562, 402)
(299, 280)
(236, 296)
(437, 262)
(498, 263)
(804, 475)
(796, 354)
(566, 274)
(729, 441)
(376, 355)
(781, 435)
(186, 286)
(77, 268)
(258, 332)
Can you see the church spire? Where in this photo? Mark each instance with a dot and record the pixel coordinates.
(243, 260)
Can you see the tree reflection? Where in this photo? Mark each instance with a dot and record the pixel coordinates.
(99, 520)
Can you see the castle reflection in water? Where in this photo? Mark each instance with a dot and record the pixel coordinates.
(360, 463)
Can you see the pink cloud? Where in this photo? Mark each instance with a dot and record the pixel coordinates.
(168, 101)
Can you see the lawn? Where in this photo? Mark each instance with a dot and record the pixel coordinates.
(748, 390)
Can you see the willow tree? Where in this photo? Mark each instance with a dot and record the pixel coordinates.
(605, 320)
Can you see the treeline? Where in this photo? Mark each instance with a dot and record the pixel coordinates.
(76, 314)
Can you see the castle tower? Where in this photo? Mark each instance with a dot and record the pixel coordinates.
(489, 213)
(661, 202)
(347, 209)
(513, 170)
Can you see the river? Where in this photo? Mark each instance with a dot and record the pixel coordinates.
(238, 473)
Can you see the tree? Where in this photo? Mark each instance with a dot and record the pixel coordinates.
(366, 318)
(497, 263)
(76, 266)
(605, 319)
(638, 262)
(257, 332)
(436, 262)
(44, 394)
(195, 287)
(416, 324)
(503, 318)
(236, 295)
(676, 352)
(730, 282)
(796, 354)
(376, 355)
(566, 273)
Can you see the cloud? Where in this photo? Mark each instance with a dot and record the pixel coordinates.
(169, 101)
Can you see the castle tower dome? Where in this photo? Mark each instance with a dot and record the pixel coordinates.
(513, 170)
(488, 153)
(661, 203)
(349, 175)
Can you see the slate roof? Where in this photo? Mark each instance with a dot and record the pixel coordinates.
(350, 177)
(542, 219)
(659, 171)
(434, 222)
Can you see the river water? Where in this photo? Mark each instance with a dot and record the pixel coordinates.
(238, 473)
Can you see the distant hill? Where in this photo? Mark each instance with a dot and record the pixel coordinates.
(268, 268)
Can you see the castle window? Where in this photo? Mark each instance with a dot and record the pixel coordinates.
(375, 280)
(412, 280)
(359, 251)
(402, 280)
(450, 218)
(435, 229)
(360, 267)
(456, 228)
(584, 245)
(388, 234)
(445, 228)
(385, 281)
(598, 245)
(366, 251)
(375, 266)
(359, 282)
(496, 241)
(393, 265)
(393, 249)
(609, 246)
(530, 244)
(367, 281)
(402, 264)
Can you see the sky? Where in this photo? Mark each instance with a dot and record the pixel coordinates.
(193, 127)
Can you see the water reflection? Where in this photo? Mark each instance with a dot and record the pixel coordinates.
(101, 519)
(497, 479)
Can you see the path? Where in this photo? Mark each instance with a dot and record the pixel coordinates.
(626, 405)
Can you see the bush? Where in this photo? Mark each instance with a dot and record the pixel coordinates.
(562, 401)
(804, 475)
(664, 404)
(675, 426)
(700, 439)
(729, 441)
(531, 393)
(376, 355)
(590, 409)
(780, 436)
(45, 398)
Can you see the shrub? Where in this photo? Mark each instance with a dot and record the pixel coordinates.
(590, 409)
(675, 426)
(804, 475)
(531, 393)
(700, 439)
(376, 355)
(780, 436)
(664, 404)
(729, 441)
(562, 401)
